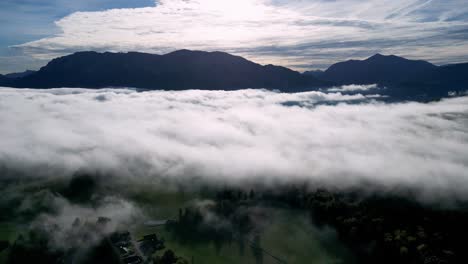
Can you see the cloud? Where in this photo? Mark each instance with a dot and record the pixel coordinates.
(329, 30)
(74, 226)
(28, 20)
(338, 140)
(353, 88)
(58, 226)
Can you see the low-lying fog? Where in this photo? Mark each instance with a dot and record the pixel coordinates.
(335, 139)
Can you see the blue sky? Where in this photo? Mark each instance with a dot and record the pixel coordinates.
(22, 21)
(302, 34)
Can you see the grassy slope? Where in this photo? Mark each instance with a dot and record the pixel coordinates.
(288, 236)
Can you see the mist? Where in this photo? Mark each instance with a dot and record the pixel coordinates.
(337, 140)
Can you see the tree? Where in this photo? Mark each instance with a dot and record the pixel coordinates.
(167, 258)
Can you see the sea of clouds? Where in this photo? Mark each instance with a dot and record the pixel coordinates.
(231, 136)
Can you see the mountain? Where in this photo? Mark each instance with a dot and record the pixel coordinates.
(19, 74)
(179, 70)
(185, 69)
(377, 69)
(4, 81)
(403, 78)
(454, 74)
(316, 73)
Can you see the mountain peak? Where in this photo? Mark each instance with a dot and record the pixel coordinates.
(381, 69)
(183, 51)
(178, 70)
(187, 52)
(379, 57)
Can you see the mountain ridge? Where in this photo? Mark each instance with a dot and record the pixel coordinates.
(402, 77)
(381, 69)
(4, 81)
(178, 70)
(187, 69)
(15, 75)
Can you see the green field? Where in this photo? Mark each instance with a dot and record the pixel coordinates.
(288, 236)
(284, 234)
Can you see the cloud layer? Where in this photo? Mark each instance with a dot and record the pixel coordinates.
(299, 34)
(338, 140)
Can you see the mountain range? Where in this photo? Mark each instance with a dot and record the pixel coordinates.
(178, 70)
(380, 69)
(19, 74)
(185, 69)
(400, 76)
(3, 80)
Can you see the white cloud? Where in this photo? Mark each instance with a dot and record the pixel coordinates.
(231, 136)
(72, 226)
(286, 33)
(353, 88)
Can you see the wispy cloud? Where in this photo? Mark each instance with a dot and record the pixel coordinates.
(353, 88)
(289, 33)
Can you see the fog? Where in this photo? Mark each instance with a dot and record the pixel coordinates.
(353, 87)
(72, 225)
(333, 139)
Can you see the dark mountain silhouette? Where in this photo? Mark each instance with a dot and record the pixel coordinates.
(316, 73)
(454, 75)
(377, 69)
(178, 70)
(402, 78)
(185, 69)
(4, 81)
(19, 74)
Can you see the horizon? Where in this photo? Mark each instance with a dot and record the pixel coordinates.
(214, 51)
(301, 35)
(188, 131)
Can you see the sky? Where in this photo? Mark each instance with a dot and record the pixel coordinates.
(300, 34)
